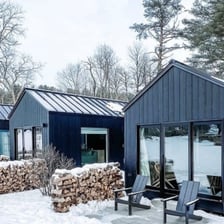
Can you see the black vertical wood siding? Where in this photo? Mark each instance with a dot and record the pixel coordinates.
(4, 125)
(177, 96)
(29, 113)
(63, 130)
(65, 134)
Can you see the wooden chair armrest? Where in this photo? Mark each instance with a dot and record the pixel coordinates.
(122, 189)
(137, 192)
(191, 202)
(170, 198)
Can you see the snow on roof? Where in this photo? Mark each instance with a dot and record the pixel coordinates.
(221, 80)
(115, 107)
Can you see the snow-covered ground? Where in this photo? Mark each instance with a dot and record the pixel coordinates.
(30, 207)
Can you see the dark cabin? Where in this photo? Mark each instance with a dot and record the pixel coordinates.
(174, 131)
(88, 129)
(4, 129)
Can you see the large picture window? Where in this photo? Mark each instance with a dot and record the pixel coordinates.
(94, 148)
(150, 154)
(176, 156)
(207, 157)
(204, 153)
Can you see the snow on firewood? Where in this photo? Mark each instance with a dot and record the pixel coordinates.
(80, 185)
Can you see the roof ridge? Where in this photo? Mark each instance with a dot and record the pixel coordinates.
(174, 63)
(74, 94)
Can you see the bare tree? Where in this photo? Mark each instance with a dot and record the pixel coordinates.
(90, 67)
(139, 66)
(16, 69)
(127, 92)
(11, 25)
(116, 84)
(106, 62)
(73, 78)
(101, 67)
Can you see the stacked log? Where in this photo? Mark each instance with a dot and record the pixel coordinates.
(80, 185)
(21, 175)
(4, 158)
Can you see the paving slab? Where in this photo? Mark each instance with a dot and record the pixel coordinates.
(148, 216)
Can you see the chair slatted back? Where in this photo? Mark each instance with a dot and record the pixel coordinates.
(139, 185)
(188, 192)
(215, 183)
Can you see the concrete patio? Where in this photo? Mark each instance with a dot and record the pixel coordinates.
(153, 215)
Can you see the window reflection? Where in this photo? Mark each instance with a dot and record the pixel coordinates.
(28, 147)
(4, 143)
(28, 142)
(150, 154)
(19, 143)
(207, 157)
(94, 145)
(176, 155)
(38, 141)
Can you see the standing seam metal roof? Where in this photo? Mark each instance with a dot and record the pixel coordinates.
(5, 111)
(71, 103)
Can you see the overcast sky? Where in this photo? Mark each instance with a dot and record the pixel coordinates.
(59, 32)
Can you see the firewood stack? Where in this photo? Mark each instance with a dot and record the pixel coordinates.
(81, 185)
(20, 175)
(4, 158)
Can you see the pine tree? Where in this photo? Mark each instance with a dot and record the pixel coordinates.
(205, 35)
(162, 26)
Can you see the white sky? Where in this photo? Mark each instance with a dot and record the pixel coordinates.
(59, 32)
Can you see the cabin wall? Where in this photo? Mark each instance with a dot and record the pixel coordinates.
(28, 113)
(177, 97)
(65, 134)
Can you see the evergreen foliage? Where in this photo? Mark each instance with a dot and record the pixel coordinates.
(205, 35)
(162, 27)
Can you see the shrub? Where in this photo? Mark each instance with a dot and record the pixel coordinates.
(54, 160)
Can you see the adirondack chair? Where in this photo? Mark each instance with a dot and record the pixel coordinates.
(186, 202)
(135, 196)
(170, 178)
(215, 183)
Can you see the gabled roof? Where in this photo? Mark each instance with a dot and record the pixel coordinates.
(182, 66)
(5, 111)
(72, 103)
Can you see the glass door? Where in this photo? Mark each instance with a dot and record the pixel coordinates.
(28, 143)
(19, 143)
(176, 156)
(149, 139)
